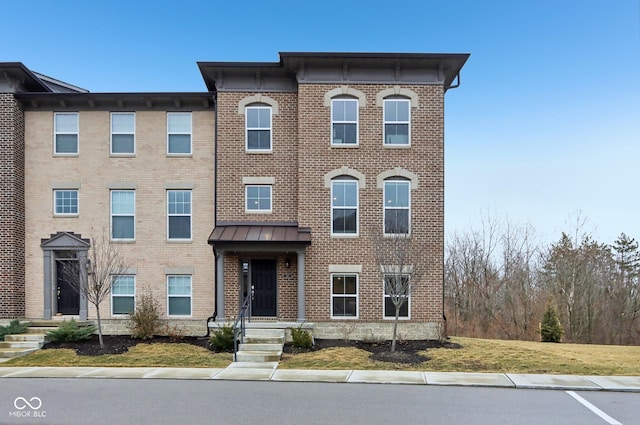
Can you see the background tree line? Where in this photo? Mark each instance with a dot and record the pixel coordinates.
(498, 281)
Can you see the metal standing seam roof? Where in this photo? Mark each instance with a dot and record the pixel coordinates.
(260, 232)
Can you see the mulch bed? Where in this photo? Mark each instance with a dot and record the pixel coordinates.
(407, 352)
(118, 344)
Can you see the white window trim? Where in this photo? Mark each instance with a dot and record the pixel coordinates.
(247, 129)
(385, 122)
(385, 208)
(356, 295)
(190, 215)
(246, 199)
(357, 207)
(181, 296)
(57, 214)
(385, 296)
(123, 154)
(56, 132)
(190, 133)
(122, 215)
(113, 277)
(357, 123)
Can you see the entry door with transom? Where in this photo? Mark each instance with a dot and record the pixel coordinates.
(264, 285)
(67, 270)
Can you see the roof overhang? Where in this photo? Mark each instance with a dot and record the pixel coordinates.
(331, 68)
(116, 101)
(264, 236)
(17, 78)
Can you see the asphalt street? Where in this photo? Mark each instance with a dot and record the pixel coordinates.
(139, 401)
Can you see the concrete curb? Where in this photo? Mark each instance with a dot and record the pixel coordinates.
(270, 372)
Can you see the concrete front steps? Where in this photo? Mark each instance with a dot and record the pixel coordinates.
(31, 340)
(261, 346)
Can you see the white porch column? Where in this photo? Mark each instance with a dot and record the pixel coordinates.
(220, 287)
(301, 306)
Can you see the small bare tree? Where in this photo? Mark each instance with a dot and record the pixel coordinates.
(104, 262)
(399, 259)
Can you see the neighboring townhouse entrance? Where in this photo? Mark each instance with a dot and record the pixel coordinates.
(65, 260)
(264, 288)
(67, 270)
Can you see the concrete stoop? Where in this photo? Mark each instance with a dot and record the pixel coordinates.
(261, 346)
(18, 345)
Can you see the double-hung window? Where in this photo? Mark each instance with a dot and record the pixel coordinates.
(397, 122)
(344, 121)
(123, 294)
(179, 133)
(397, 207)
(179, 295)
(258, 199)
(344, 206)
(179, 214)
(66, 133)
(258, 128)
(123, 133)
(397, 291)
(65, 202)
(344, 295)
(123, 212)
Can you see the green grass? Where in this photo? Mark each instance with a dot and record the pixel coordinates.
(476, 355)
(482, 355)
(141, 355)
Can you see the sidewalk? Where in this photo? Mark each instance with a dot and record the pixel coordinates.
(270, 372)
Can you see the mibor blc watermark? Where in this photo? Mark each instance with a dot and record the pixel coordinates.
(28, 408)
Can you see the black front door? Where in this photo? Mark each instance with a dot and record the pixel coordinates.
(68, 296)
(264, 285)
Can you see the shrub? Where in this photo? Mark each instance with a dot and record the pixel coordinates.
(301, 338)
(143, 322)
(14, 327)
(222, 338)
(69, 331)
(175, 333)
(551, 329)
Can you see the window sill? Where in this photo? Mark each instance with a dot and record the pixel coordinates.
(179, 155)
(123, 241)
(66, 215)
(344, 236)
(257, 151)
(396, 146)
(405, 319)
(344, 317)
(345, 146)
(258, 212)
(122, 155)
(66, 155)
(180, 241)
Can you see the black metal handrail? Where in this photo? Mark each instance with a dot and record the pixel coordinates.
(239, 325)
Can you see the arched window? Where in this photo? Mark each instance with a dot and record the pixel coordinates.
(344, 206)
(397, 206)
(397, 121)
(344, 120)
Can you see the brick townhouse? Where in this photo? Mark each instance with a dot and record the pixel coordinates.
(271, 184)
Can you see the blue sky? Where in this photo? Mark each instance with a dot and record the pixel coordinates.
(546, 123)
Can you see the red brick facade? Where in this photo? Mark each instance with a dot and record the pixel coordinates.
(12, 260)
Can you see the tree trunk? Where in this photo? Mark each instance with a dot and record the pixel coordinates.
(99, 327)
(395, 330)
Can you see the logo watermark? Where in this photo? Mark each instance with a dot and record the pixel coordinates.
(28, 408)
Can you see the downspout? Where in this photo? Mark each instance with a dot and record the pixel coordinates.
(212, 318)
(457, 84)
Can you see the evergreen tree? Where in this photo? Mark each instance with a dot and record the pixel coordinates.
(551, 329)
